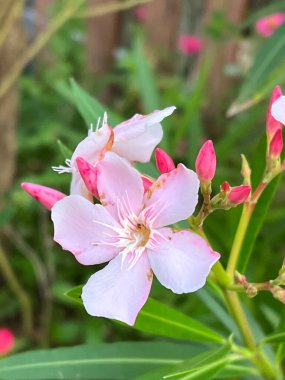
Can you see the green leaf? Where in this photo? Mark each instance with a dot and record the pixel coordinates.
(145, 80)
(274, 338)
(97, 361)
(90, 108)
(203, 367)
(266, 71)
(232, 371)
(160, 319)
(65, 151)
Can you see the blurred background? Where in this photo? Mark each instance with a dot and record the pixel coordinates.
(216, 60)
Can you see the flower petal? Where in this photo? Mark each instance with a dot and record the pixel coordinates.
(278, 110)
(172, 197)
(136, 138)
(182, 261)
(119, 185)
(82, 228)
(91, 147)
(118, 291)
(78, 187)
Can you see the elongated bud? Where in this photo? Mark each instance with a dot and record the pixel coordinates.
(45, 195)
(88, 173)
(272, 125)
(147, 182)
(164, 162)
(276, 144)
(206, 162)
(239, 194)
(245, 170)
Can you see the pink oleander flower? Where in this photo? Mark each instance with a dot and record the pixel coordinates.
(7, 341)
(206, 162)
(129, 230)
(190, 45)
(273, 125)
(266, 26)
(133, 139)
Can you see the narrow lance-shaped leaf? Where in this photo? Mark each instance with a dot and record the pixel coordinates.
(160, 319)
(98, 361)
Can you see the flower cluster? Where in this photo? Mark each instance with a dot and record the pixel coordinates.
(116, 214)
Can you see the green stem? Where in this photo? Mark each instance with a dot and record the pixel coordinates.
(239, 238)
(11, 278)
(258, 358)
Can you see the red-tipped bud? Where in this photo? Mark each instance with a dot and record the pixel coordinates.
(206, 162)
(226, 187)
(273, 125)
(45, 195)
(7, 340)
(147, 182)
(88, 173)
(164, 162)
(276, 144)
(278, 293)
(239, 194)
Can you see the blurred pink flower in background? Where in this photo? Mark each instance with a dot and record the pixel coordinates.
(7, 341)
(189, 44)
(266, 26)
(140, 13)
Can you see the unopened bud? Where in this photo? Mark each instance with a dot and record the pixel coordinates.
(45, 195)
(164, 162)
(276, 144)
(240, 279)
(239, 194)
(147, 182)
(278, 293)
(88, 173)
(225, 187)
(273, 113)
(206, 162)
(245, 170)
(251, 291)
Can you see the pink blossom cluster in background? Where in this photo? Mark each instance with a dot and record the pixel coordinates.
(7, 341)
(189, 44)
(266, 26)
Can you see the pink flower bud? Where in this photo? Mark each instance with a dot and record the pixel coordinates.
(89, 175)
(164, 162)
(206, 162)
(147, 182)
(225, 187)
(276, 144)
(7, 341)
(272, 125)
(140, 13)
(45, 195)
(239, 194)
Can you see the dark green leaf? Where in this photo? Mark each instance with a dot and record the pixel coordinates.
(160, 319)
